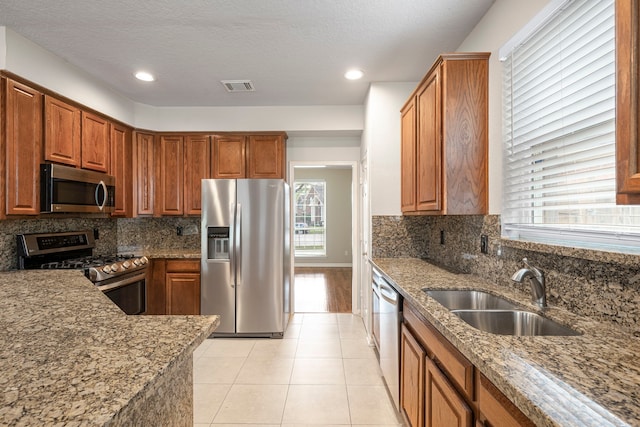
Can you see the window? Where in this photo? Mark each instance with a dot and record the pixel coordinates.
(559, 133)
(309, 219)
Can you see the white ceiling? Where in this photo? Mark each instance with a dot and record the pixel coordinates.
(294, 51)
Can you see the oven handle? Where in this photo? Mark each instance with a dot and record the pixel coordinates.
(124, 282)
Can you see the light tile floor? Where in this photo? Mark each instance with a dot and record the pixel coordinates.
(322, 372)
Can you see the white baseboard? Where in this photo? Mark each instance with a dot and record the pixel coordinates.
(322, 264)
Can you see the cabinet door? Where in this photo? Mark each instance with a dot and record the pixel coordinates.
(408, 157)
(24, 148)
(412, 363)
(496, 409)
(444, 406)
(229, 157)
(429, 143)
(121, 165)
(627, 98)
(144, 163)
(61, 132)
(197, 156)
(183, 293)
(95, 142)
(170, 175)
(265, 156)
(156, 288)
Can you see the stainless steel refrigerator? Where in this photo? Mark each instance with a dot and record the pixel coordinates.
(246, 255)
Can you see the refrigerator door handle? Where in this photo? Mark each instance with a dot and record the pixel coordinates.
(237, 255)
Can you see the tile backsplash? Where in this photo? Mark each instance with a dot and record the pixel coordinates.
(602, 285)
(9, 228)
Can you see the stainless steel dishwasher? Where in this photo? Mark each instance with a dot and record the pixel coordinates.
(387, 313)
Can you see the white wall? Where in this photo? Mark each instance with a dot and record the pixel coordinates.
(381, 138)
(30, 61)
(323, 149)
(27, 59)
(499, 24)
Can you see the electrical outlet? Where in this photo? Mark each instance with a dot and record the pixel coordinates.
(179, 231)
(96, 233)
(442, 237)
(484, 244)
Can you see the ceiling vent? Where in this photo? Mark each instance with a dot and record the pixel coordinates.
(238, 85)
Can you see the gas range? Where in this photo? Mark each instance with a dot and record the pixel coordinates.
(122, 278)
(74, 250)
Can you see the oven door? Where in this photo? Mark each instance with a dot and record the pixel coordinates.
(129, 292)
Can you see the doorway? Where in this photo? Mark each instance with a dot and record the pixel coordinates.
(324, 226)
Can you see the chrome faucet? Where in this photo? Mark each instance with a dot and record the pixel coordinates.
(538, 290)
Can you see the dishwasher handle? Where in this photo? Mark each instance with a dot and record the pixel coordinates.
(388, 293)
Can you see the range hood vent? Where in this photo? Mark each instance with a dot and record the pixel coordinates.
(238, 85)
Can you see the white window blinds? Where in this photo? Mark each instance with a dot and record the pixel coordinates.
(559, 133)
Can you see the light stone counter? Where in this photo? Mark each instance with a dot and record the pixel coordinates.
(587, 380)
(69, 356)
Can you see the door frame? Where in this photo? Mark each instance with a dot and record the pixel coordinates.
(356, 254)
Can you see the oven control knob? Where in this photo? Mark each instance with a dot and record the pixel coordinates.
(136, 261)
(126, 264)
(106, 269)
(144, 260)
(114, 267)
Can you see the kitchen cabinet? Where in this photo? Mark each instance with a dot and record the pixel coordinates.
(445, 407)
(95, 142)
(249, 156)
(412, 375)
(170, 175)
(437, 383)
(496, 409)
(174, 287)
(197, 155)
(229, 153)
(121, 169)
(408, 156)
(61, 132)
(627, 98)
(439, 386)
(444, 138)
(22, 124)
(144, 162)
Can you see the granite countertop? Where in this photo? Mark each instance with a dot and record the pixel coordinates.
(69, 356)
(587, 380)
(156, 253)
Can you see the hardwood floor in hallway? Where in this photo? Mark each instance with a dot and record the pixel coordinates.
(322, 290)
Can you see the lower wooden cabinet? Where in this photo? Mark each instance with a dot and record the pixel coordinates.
(445, 407)
(174, 287)
(439, 387)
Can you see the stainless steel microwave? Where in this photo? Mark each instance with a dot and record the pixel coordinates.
(67, 189)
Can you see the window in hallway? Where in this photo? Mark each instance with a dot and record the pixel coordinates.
(309, 218)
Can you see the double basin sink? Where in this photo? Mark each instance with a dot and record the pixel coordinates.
(491, 313)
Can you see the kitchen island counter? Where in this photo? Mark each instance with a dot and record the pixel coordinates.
(69, 356)
(587, 380)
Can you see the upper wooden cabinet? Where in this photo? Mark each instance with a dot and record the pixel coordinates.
(61, 132)
(444, 138)
(229, 154)
(197, 154)
(23, 130)
(265, 156)
(249, 156)
(121, 169)
(144, 162)
(627, 99)
(170, 175)
(95, 142)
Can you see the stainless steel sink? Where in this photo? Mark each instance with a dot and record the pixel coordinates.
(455, 299)
(513, 322)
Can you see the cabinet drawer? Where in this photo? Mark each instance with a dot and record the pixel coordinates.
(183, 266)
(496, 409)
(458, 367)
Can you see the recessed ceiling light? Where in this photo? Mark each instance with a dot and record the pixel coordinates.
(354, 74)
(144, 76)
